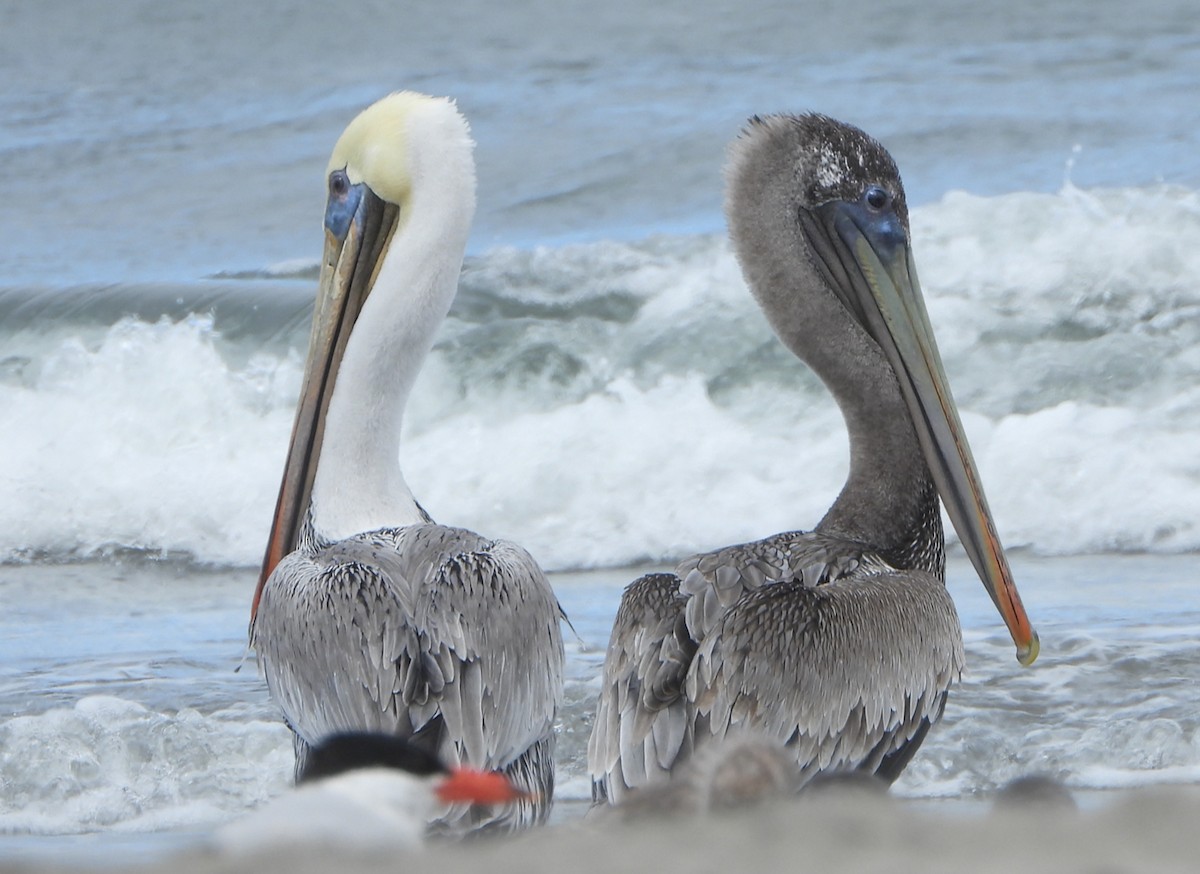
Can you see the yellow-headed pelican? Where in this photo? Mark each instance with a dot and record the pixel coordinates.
(368, 616)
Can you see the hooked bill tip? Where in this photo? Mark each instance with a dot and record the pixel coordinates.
(1026, 655)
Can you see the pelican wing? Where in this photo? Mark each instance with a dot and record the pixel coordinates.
(396, 629)
(715, 581)
(846, 675)
(644, 723)
(809, 639)
(641, 717)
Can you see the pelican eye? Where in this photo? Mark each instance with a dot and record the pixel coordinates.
(343, 204)
(877, 199)
(339, 184)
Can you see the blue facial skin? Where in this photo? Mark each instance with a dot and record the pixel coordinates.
(839, 226)
(873, 216)
(342, 208)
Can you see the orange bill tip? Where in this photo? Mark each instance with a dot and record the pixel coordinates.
(1027, 654)
(477, 787)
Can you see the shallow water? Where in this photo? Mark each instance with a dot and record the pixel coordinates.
(124, 712)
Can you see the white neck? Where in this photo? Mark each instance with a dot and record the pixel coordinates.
(358, 484)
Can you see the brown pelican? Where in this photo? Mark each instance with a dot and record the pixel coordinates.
(368, 616)
(841, 642)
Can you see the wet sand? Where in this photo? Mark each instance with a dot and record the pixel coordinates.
(1143, 831)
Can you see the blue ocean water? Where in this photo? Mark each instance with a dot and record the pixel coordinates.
(162, 168)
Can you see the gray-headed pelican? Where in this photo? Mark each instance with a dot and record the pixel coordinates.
(840, 643)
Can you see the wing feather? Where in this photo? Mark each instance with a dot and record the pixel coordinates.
(871, 660)
(641, 721)
(715, 581)
(395, 629)
(811, 640)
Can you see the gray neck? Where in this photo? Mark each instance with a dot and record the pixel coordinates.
(889, 502)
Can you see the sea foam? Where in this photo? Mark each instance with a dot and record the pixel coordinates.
(110, 763)
(610, 403)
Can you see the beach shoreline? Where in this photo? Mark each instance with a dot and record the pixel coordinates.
(1146, 830)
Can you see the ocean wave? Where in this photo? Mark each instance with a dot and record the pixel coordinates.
(107, 763)
(1102, 709)
(613, 403)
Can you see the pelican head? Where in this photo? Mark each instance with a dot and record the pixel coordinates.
(400, 200)
(819, 220)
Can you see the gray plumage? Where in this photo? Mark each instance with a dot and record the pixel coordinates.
(840, 643)
(368, 617)
(428, 632)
